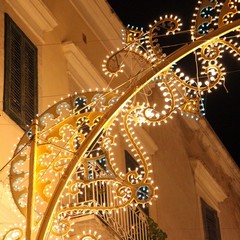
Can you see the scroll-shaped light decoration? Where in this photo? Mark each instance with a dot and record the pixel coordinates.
(77, 169)
(96, 184)
(208, 16)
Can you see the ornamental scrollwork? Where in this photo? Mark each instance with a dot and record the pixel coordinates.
(74, 143)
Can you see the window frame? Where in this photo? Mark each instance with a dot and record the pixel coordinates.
(132, 164)
(205, 210)
(27, 81)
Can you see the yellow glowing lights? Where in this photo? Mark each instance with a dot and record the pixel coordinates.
(76, 156)
(96, 179)
(90, 235)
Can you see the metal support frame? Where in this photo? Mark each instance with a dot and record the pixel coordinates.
(110, 115)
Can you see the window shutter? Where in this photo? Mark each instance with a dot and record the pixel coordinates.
(20, 79)
(29, 72)
(210, 221)
(14, 70)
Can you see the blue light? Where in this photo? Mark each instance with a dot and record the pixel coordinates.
(206, 12)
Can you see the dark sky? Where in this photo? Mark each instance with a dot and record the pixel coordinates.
(222, 107)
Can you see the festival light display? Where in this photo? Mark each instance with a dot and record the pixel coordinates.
(65, 165)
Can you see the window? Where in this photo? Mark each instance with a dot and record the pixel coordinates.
(210, 222)
(131, 164)
(20, 75)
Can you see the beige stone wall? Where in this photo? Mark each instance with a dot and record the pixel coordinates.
(176, 209)
(181, 143)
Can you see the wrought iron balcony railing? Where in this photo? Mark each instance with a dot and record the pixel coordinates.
(129, 223)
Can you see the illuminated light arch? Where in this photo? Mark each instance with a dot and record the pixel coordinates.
(111, 113)
(76, 134)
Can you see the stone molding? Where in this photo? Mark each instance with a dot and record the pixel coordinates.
(81, 69)
(212, 143)
(102, 21)
(35, 15)
(207, 186)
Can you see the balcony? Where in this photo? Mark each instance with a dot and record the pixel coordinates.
(129, 223)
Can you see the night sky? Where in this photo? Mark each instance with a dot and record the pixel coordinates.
(222, 106)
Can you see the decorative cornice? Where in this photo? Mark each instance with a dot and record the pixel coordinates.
(35, 15)
(79, 67)
(221, 155)
(102, 21)
(207, 185)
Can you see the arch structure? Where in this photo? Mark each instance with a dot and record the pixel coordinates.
(66, 164)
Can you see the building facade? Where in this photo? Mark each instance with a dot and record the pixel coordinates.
(53, 50)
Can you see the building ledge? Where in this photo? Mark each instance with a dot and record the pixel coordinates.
(210, 142)
(102, 20)
(35, 15)
(91, 223)
(207, 185)
(82, 71)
